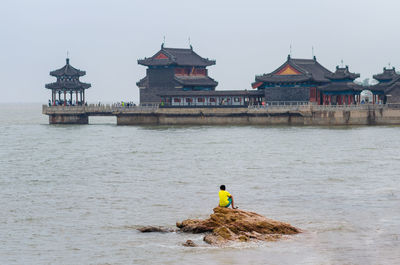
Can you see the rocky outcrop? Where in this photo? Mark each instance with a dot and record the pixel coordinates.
(189, 243)
(226, 225)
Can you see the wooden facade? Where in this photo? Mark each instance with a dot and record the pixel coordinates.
(223, 98)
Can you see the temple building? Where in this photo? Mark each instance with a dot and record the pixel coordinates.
(388, 88)
(173, 69)
(341, 90)
(295, 80)
(68, 89)
(306, 80)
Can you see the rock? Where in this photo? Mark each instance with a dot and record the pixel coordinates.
(148, 229)
(189, 243)
(226, 225)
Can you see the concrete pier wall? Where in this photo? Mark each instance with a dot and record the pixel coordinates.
(312, 115)
(68, 119)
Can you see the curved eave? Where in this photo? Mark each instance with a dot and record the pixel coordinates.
(341, 87)
(206, 81)
(65, 86)
(67, 72)
(350, 77)
(282, 78)
(383, 79)
(167, 62)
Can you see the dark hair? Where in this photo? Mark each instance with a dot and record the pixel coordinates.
(222, 187)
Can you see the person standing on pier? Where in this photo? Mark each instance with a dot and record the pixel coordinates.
(225, 198)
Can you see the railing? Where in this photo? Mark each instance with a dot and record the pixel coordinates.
(349, 107)
(287, 103)
(273, 105)
(281, 105)
(95, 108)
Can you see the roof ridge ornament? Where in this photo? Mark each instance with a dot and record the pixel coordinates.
(67, 59)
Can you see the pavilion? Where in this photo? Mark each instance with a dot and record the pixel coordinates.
(388, 88)
(67, 84)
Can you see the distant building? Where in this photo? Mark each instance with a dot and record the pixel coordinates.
(172, 69)
(306, 80)
(341, 90)
(388, 88)
(68, 89)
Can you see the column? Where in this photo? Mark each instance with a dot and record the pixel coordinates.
(52, 97)
(330, 99)
(83, 99)
(76, 101)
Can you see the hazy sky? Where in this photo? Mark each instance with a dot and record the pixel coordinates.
(105, 38)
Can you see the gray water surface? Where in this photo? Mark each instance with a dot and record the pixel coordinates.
(77, 194)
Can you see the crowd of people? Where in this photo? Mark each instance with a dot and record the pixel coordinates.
(121, 104)
(67, 103)
(124, 104)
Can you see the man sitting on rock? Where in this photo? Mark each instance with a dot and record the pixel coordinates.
(225, 198)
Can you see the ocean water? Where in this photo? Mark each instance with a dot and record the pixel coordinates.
(76, 194)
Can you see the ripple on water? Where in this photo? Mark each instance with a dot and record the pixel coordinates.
(77, 194)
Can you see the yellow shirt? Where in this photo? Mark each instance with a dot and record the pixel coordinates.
(223, 197)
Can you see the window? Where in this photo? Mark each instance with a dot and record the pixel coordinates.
(189, 100)
(200, 99)
(177, 100)
(236, 99)
(212, 99)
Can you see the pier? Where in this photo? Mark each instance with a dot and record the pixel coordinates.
(282, 114)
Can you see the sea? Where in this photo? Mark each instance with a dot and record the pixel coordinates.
(76, 194)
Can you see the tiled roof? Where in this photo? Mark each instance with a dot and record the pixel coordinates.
(342, 73)
(309, 69)
(387, 75)
(144, 82)
(386, 86)
(176, 56)
(68, 85)
(341, 86)
(67, 70)
(196, 80)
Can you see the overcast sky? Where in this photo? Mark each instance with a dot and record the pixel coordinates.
(246, 38)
